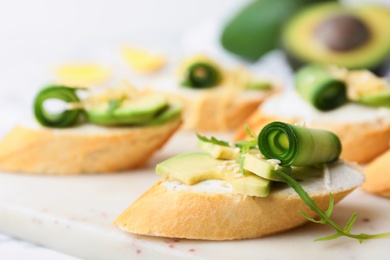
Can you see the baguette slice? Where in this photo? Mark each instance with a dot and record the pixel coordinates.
(363, 131)
(220, 108)
(83, 149)
(210, 210)
(377, 175)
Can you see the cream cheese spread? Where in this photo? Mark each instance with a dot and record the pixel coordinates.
(338, 176)
(290, 104)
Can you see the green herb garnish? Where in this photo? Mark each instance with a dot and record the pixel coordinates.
(212, 140)
(114, 104)
(325, 215)
(244, 146)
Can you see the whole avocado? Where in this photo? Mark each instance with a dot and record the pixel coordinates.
(330, 33)
(256, 29)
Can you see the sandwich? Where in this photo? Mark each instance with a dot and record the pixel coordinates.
(215, 98)
(355, 105)
(268, 184)
(80, 131)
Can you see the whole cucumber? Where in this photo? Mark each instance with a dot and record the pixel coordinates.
(256, 29)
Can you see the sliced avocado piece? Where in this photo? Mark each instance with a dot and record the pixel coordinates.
(136, 111)
(220, 151)
(262, 168)
(252, 185)
(381, 99)
(173, 111)
(259, 85)
(191, 168)
(331, 33)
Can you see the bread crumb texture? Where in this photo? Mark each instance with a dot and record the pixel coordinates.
(71, 152)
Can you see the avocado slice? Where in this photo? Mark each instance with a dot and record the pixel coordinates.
(252, 185)
(138, 111)
(381, 99)
(259, 85)
(173, 111)
(330, 33)
(191, 168)
(220, 151)
(262, 168)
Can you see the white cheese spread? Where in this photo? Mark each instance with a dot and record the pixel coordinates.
(290, 104)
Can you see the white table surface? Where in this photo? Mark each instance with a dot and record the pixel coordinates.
(37, 35)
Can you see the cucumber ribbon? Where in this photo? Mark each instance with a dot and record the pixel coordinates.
(63, 118)
(145, 110)
(298, 146)
(201, 75)
(317, 86)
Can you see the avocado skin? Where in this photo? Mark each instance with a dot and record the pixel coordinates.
(380, 67)
(256, 29)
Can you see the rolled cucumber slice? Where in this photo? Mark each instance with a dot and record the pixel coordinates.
(318, 87)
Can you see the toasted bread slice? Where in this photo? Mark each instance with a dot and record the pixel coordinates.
(218, 109)
(210, 210)
(83, 149)
(377, 175)
(363, 131)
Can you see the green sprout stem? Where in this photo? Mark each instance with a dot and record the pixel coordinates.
(325, 215)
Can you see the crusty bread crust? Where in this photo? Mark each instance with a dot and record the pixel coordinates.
(361, 142)
(216, 216)
(377, 175)
(219, 109)
(70, 152)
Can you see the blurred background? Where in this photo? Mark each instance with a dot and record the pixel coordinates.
(36, 36)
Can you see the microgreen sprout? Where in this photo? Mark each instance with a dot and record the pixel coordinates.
(325, 215)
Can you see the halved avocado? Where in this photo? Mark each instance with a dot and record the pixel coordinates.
(334, 34)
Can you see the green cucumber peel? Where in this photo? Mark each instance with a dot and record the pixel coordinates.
(325, 216)
(318, 87)
(77, 111)
(298, 146)
(65, 118)
(201, 75)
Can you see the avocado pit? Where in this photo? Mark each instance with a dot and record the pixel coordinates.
(342, 32)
